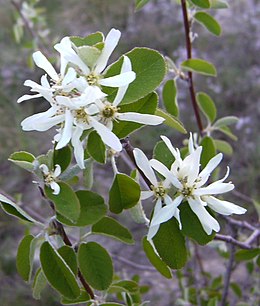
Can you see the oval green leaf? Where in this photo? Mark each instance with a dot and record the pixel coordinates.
(169, 95)
(209, 150)
(96, 147)
(66, 202)
(201, 3)
(57, 272)
(163, 154)
(112, 228)
(69, 256)
(219, 4)
(170, 244)
(247, 254)
(23, 159)
(92, 209)
(171, 121)
(223, 146)
(140, 3)
(155, 260)
(82, 298)
(207, 106)
(209, 22)
(96, 265)
(223, 122)
(62, 157)
(23, 262)
(39, 284)
(199, 66)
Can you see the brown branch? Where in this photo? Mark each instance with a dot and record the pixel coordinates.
(187, 27)
(233, 241)
(61, 231)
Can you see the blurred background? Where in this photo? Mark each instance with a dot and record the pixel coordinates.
(236, 91)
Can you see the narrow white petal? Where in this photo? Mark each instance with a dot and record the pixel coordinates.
(140, 118)
(191, 164)
(170, 147)
(214, 188)
(44, 169)
(57, 170)
(207, 221)
(63, 65)
(162, 169)
(55, 187)
(146, 194)
(143, 163)
(111, 42)
(108, 137)
(191, 145)
(69, 76)
(224, 207)
(66, 132)
(78, 147)
(28, 97)
(42, 62)
(167, 212)
(119, 80)
(153, 229)
(126, 66)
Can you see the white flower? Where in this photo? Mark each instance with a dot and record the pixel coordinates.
(109, 112)
(186, 177)
(159, 190)
(94, 73)
(50, 177)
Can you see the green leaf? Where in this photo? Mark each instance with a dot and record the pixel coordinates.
(150, 69)
(199, 66)
(163, 154)
(23, 263)
(209, 150)
(201, 3)
(23, 159)
(219, 4)
(213, 302)
(226, 130)
(57, 272)
(82, 298)
(66, 202)
(170, 244)
(96, 148)
(223, 146)
(209, 22)
(191, 225)
(89, 55)
(62, 157)
(146, 105)
(124, 193)
(171, 121)
(89, 40)
(128, 286)
(140, 3)
(14, 210)
(39, 284)
(236, 289)
(207, 106)
(96, 265)
(155, 260)
(169, 95)
(69, 256)
(223, 122)
(112, 228)
(247, 254)
(88, 175)
(92, 209)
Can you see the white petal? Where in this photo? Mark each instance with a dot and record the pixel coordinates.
(191, 145)
(57, 170)
(78, 147)
(207, 221)
(63, 65)
(140, 118)
(214, 188)
(119, 80)
(126, 66)
(170, 147)
(69, 76)
(211, 165)
(191, 164)
(162, 169)
(146, 194)
(55, 187)
(66, 132)
(42, 62)
(44, 169)
(108, 137)
(224, 207)
(153, 229)
(167, 212)
(111, 42)
(143, 163)
(28, 97)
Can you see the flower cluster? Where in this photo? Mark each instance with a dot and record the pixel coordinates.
(185, 177)
(77, 102)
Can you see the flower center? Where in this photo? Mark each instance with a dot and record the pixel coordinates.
(92, 79)
(159, 192)
(49, 178)
(109, 111)
(187, 191)
(81, 115)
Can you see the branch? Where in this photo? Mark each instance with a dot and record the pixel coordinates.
(189, 56)
(233, 241)
(61, 231)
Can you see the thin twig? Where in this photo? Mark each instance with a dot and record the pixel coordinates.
(189, 56)
(61, 231)
(253, 237)
(233, 241)
(238, 223)
(134, 265)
